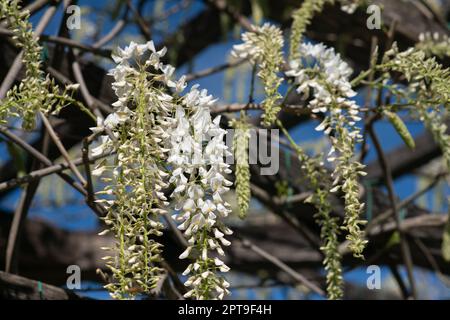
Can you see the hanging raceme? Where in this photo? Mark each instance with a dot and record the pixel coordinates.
(301, 18)
(427, 90)
(36, 92)
(135, 187)
(160, 139)
(421, 71)
(329, 230)
(321, 70)
(264, 47)
(320, 183)
(446, 238)
(198, 173)
(328, 76)
(433, 121)
(242, 172)
(163, 141)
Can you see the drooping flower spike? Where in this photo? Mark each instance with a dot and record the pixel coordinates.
(160, 138)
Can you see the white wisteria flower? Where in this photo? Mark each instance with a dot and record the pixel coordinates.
(350, 6)
(263, 46)
(321, 70)
(197, 156)
(162, 137)
(134, 194)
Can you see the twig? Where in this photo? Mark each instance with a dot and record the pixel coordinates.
(143, 27)
(298, 198)
(41, 173)
(99, 210)
(386, 214)
(251, 94)
(61, 148)
(422, 221)
(183, 4)
(106, 53)
(212, 70)
(427, 254)
(405, 251)
(275, 205)
(368, 121)
(64, 80)
(20, 214)
(179, 236)
(280, 264)
(86, 162)
(83, 87)
(17, 287)
(234, 107)
(400, 282)
(91, 102)
(174, 276)
(35, 6)
(222, 5)
(118, 27)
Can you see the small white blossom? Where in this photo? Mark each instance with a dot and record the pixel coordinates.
(198, 200)
(73, 87)
(322, 71)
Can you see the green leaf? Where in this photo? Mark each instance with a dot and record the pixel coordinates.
(393, 240)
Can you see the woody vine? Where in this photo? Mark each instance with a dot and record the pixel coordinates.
(161, 153)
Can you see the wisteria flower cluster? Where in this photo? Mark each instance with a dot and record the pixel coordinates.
(301, 18)
(241, 140)
(316, 69)
(263, 46)
(37, 91)
(427, 89)
(434, 44)
(420, 70)
(158, 137)
(199, 175)
(163, 153)
(137, 179)
(318, 178)
(323, 72)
